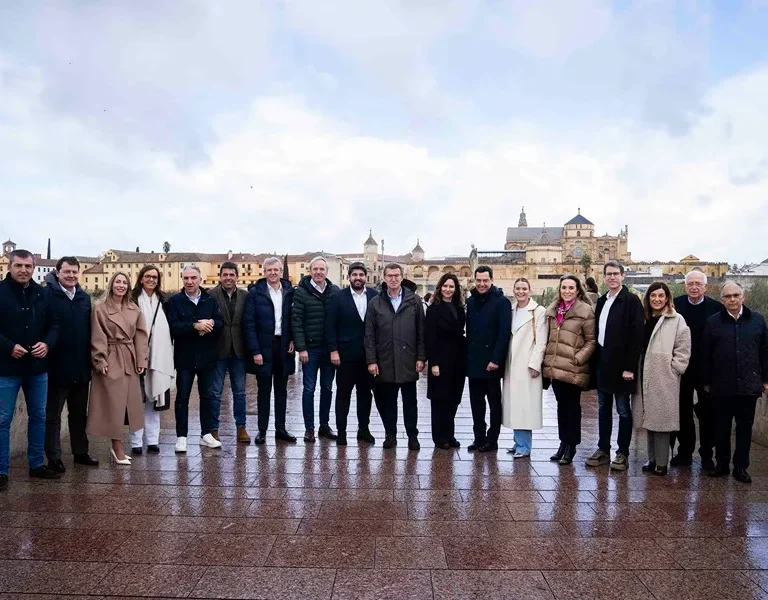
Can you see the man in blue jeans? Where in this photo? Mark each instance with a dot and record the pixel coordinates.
(28, 330)
(619, 328)
(308, 316)
(231, 348)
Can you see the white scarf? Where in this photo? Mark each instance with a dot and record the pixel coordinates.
(160, 373)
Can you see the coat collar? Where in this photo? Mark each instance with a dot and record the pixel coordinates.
(528, 314)
(117, 316)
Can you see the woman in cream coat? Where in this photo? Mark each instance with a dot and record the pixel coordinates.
(667, 351)
(522, 392)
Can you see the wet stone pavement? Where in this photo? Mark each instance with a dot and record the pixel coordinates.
(358, 522)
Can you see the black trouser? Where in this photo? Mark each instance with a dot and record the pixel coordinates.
(386, 403)
(705, 413)
(479, 389)
(353, 374)
(742, 409)
(75, 395)
(266, 383)
(443, 419)
(568, 398)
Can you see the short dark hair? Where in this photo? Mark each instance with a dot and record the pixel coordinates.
(357, 266)
(20, 254)
(484, 269)
(427, 296)
(392, 267)
(615, 264)
(657, 285)
(70, 260)
(591, 285)
(228, 265)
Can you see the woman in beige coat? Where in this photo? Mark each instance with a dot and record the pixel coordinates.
(119, 354)
(571, 343)
(655, 405)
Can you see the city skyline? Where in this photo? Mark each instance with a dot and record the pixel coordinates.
(289, 125)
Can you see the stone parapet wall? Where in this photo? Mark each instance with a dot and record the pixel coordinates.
(760, 428)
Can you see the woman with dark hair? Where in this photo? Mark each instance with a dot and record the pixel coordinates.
(446, 352)
(523, 389)
(571, 342)
(119, 355)
(592, 291)
(665, 357)
(148, 295)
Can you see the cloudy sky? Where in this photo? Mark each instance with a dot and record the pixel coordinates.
(297, 125)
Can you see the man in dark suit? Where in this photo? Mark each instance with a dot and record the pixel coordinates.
(696, 308)
(232, 354)
(345, 336)
(619, 318)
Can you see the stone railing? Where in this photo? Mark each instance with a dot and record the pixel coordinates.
(760, 428)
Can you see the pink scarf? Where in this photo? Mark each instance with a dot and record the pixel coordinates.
(563, 308)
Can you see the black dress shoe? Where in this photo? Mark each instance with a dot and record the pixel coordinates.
(44, 473)
(326, 432)
(568, 454)
(260, 439)
(57, 466)
(153, 449)
(413, 443)
(719, 471)
(559, 454)
(681, 460)
(742, 475)
(454, 443)
(283, 436)
(442, 444)
(390, 441)
(649, 466)
(363, 435)
(341, 439)
(661, 471)
(3, 483)
(85, 459)
(476, 445)
(137, 451)
(489, 447)
(707, 464)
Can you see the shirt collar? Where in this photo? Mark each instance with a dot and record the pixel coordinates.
(360, 293)
(400, 295)
(317, 287)
(199, 293)
(695, 303)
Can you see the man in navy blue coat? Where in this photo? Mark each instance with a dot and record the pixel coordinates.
(489, 327)
(345, 336)
(195, 321)
(28, 331)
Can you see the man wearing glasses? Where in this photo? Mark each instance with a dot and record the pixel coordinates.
(394, 352)
(734, 369)
(696, 308)
(619, 318)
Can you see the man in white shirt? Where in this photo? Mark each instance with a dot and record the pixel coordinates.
(345, 335)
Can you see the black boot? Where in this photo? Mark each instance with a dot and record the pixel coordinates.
(559, 454)
(568, 454)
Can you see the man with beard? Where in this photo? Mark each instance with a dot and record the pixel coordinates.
(345, 335)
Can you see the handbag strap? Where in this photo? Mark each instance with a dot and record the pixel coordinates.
(152, 327)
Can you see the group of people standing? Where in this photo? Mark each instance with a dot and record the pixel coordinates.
(116, 362)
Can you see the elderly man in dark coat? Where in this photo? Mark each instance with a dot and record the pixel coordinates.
(394, 351)
(734, 368)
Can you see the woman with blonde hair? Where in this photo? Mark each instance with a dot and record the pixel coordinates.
(523, 389)
(119, 349)
(665, 357)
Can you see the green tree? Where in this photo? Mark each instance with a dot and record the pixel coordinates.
(286, 274)
(586, 264)
(166, 247)
(547, 297)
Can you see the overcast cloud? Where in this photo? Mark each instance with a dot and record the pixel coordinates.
(296, 126)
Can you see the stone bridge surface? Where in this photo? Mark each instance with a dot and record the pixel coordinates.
(312, 521)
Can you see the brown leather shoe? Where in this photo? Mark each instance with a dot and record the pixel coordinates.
(242, 436)
(309, 435)
(215, 434)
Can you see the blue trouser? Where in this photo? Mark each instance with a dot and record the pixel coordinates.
(523, 441)
(184, 380)
(35, 389)
(319, 360)
(605, 421)
(236, 368)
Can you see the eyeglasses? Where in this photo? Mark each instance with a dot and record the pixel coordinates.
(613, 274)
(730, 296)
(694, 284)
(150, 276)
(393, 275)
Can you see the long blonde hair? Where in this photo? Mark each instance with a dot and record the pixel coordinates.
(127, 298)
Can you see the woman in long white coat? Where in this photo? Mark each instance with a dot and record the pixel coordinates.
(522, 393)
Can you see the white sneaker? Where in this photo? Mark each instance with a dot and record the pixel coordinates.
(181, 445)
(210, 441)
